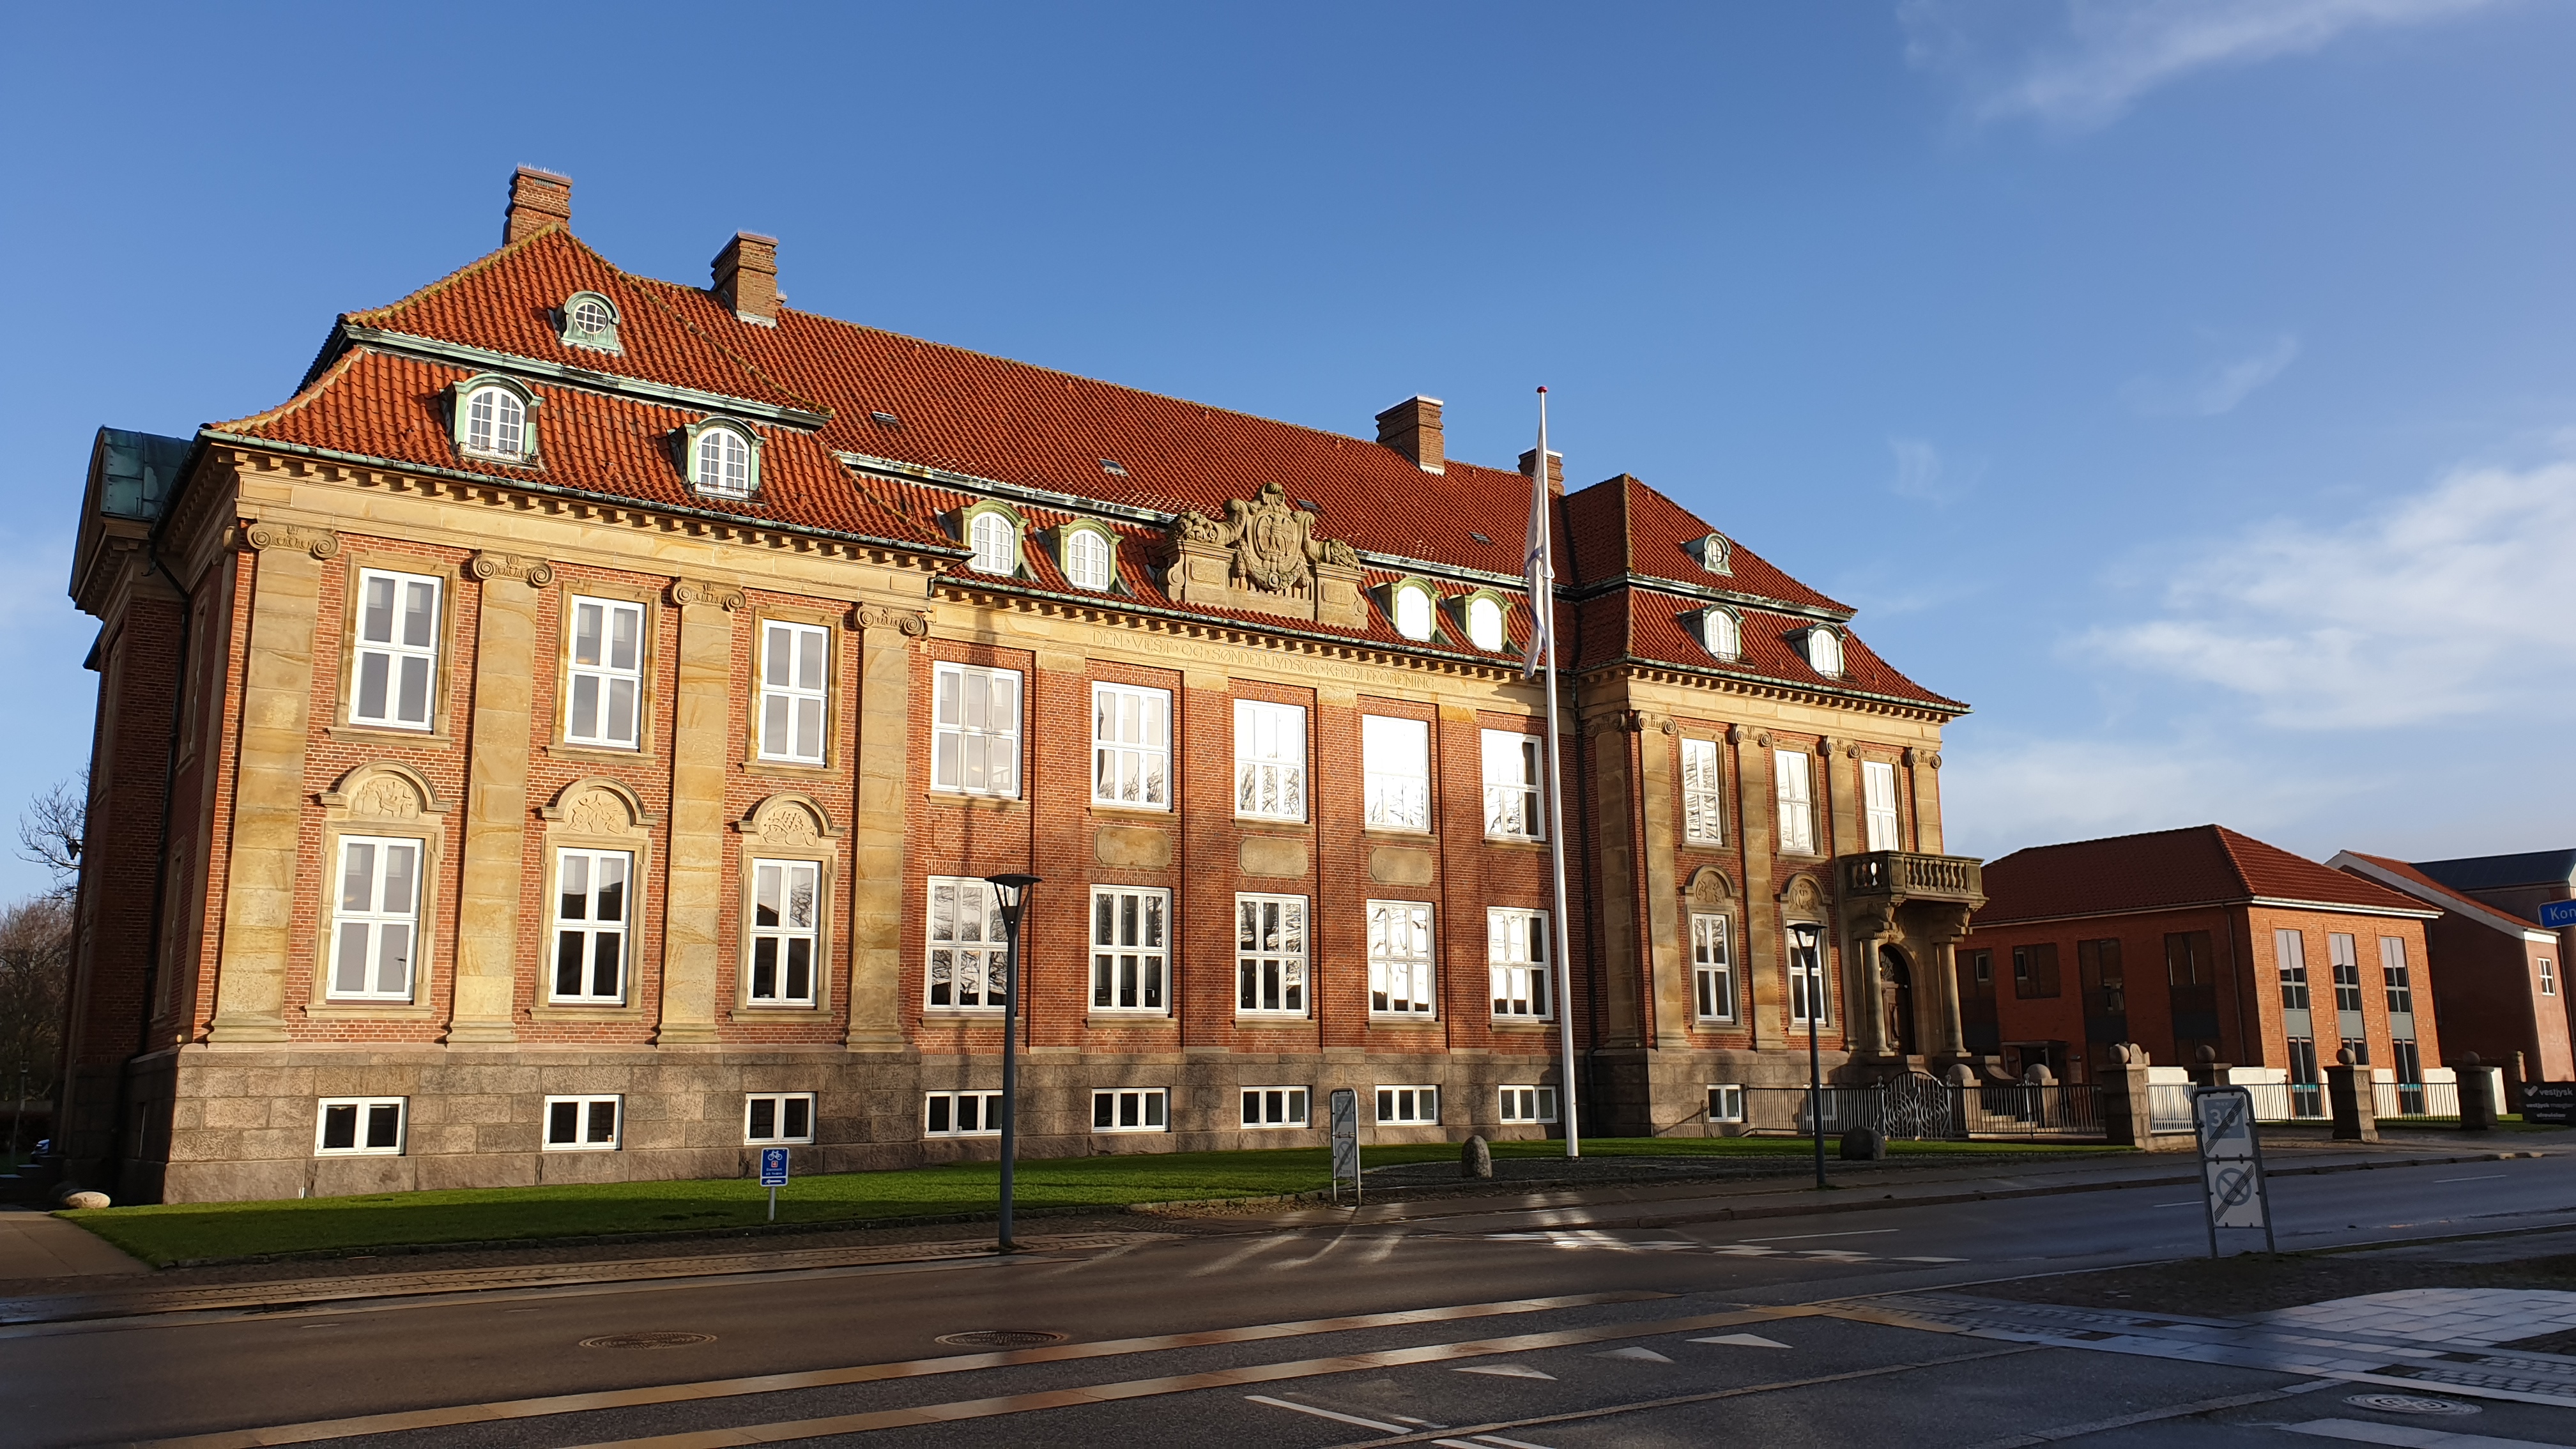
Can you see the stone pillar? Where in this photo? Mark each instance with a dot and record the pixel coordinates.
(1665, 957)
(2477, 1095)
(701, 731)
(877, 846)
(1945, 936)
(1838, 772)
(1925, 767)
(1761, 946)
(492, 871)
(268, 803)
(2128, 1099)
(2348, 1095)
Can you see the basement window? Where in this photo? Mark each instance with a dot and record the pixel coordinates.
(360, 1127)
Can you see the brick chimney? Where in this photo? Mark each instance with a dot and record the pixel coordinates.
(746, 277)
(1555, 469)
(538, 199)
(1412, 427)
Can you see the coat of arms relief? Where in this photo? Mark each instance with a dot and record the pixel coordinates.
(1264, 555)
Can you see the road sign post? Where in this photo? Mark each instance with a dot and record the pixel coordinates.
(1343, 1115)
(2231, 1163)
(773, 1175)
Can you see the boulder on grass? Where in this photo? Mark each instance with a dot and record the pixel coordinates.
(84, 1199)
(1864, 1144)
(1475, 1159)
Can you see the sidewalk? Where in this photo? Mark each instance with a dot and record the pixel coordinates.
(40, 1245)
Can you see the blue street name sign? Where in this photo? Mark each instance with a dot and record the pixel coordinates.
(2555, 914)
(773, 1167)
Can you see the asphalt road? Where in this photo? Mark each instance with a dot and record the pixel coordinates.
(1590, 1318)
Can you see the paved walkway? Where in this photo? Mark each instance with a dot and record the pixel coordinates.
(40, 1245)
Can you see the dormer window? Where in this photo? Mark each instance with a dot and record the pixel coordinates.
(1824, 650)
(1485, 624)
(1089, 556)
(1712, 551)
(590, 320)
(992, 530)
(1721, 633)
(492, 420)
(723, 459)
(1413, 611)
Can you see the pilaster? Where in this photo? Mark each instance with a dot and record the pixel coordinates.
(1765, 1014)
(877, 844)
(1925, 766)
(1668, 970)
(493, 868)
(693, 894)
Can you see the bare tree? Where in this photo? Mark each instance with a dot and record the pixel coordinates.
(35, 979)
(53, 830)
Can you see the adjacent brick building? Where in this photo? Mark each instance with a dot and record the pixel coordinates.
(565, 738)
(2201, 937)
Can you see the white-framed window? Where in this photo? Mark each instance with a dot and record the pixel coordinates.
(1130, 1109)
(1807, 992)
(1395, 766)
(1270, 955)
(996, 543)
(1712, 968)
(785, 910)
(1087, 558)
(1726, 1102)
(2290, 957)
(375, 926)
(1130, 949)
(1797, 801)
(607, 673)
(496, 423)
(961, 1114)
(1413, 611)
(1485, 624)
(1511, 785)
(1400, 969)
(1269, 760)
(1824, 651)
(2395, 980)
(1131, 746)
(1516, 949)
(968, 969)
(1528, 1104)
(396, 659)
(2548, 977)
(584, 1124)
(795, 667)
(1703, 793)
(360, 1126)
(1878, 804)
(772, 1119)
(724, 463)
(590, 320)
(1408, 1106)
(975, 730)
(1721, 634)
(592, 908)
(1274, 1106)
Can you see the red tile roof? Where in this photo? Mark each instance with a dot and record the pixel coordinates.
(2426, 888)
(1622, 526)
(2164, 869)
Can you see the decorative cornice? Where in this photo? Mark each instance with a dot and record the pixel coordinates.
(536, 573)
(686, 592)
(910, 623)
(320, 542)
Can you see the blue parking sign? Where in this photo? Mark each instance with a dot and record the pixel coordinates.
(773, 1167)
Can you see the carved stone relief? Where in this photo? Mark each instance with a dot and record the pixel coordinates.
(536, 573)
(320, 542)
(910, 623)
(1264, 556)
(685, 592)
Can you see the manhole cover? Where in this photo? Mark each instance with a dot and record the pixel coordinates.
(1000, 1338)
(647, 1340)
(2408, 1404)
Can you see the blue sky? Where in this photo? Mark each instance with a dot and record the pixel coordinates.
(2185, 383)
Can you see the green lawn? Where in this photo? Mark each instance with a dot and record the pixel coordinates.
(199, 1231)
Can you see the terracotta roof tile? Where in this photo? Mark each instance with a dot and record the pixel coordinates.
(2439, 894)
(2197, 865)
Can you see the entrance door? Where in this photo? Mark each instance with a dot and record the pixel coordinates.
(1896, 1000)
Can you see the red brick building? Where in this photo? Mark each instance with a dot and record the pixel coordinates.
(2497, 983)
(565, 739)
(2202, 937)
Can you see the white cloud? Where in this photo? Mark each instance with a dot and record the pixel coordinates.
(2216, 388)
(2002, 795)
(2109, 53)
(1923, 474)
(2446, 604)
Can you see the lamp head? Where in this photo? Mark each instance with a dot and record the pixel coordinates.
(1806, 934)
(1013, 892)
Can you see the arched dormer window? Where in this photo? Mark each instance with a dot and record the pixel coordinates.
(493, 419)
(723, 459)
(1414, 611)
(1090, 558)
(590, 320)
(1485, 623)
(1713, 552)
(992, 530)
(1823, 646)
(1721, 633)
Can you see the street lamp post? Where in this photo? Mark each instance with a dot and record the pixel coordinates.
(1805, 957)
(1012, 892)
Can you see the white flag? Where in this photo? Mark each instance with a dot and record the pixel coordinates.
(1540, 562)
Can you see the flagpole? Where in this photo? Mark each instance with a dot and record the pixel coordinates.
(1541, 524)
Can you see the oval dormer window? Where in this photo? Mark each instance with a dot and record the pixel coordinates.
(1413, 612)
(992, 544)
(724, 463)
(1824, 651)
(1485, 624)
(496, 423)
(1086, 557)
(590, 320)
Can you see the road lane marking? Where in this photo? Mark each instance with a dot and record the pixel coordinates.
(1801, 1237)
(1091, 1394)
(2186, 1202)
(2409, 1435)
(402, 1420)
(1640, 1355)
(2481, 1177)
(1378, 1424)
(1504, 1371)
(1743, 1340)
